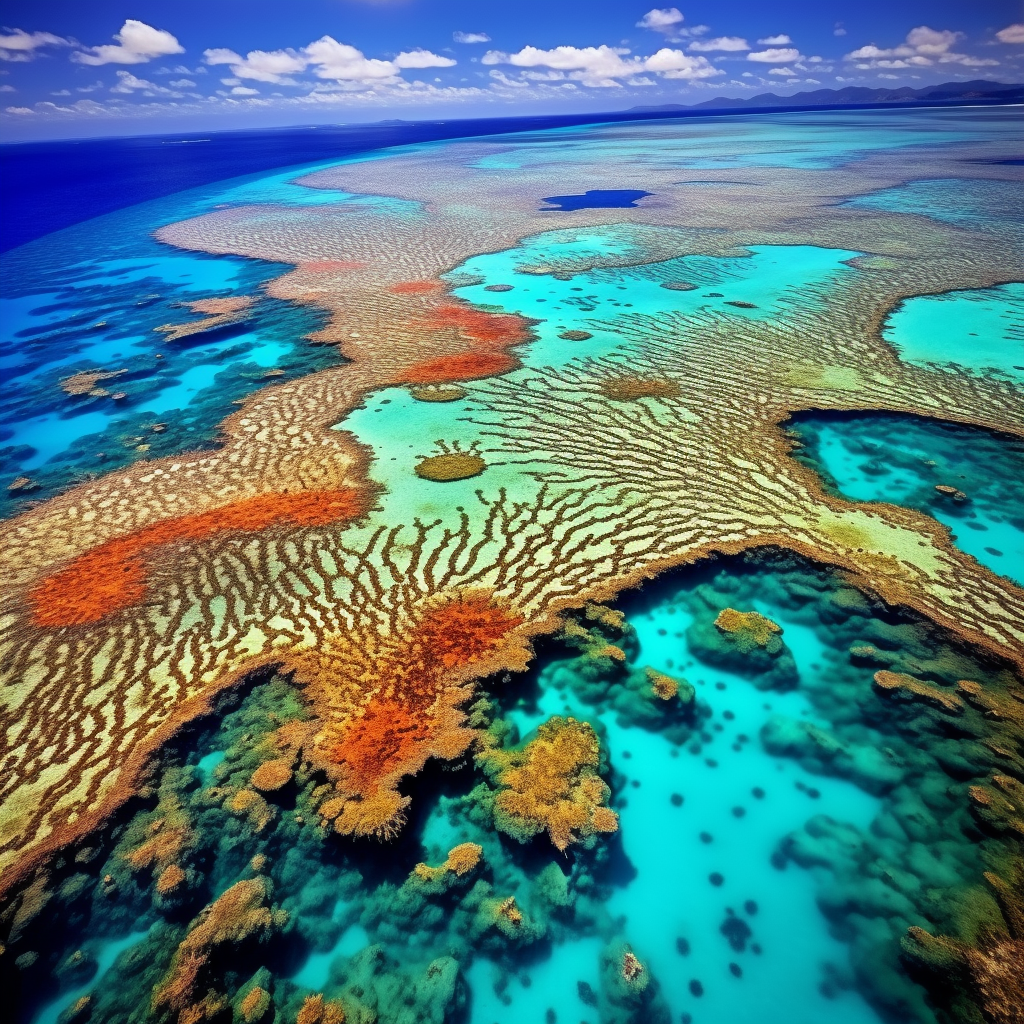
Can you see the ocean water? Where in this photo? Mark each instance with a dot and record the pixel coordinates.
(902, 459)
(980, 330)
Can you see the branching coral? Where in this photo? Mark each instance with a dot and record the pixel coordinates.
(113, 575)
(415, 714)
(239, 914)
(551, 784)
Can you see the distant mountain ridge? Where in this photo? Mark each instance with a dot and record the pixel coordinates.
(978, 91)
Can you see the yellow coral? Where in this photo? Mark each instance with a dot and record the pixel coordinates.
(315, 1010)
(461, 860)
(750, 629)
(552, 784)
(235, 915)
(664, 687)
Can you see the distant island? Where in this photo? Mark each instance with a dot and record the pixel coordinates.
(953, 93)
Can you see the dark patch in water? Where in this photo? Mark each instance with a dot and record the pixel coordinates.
(598, 199)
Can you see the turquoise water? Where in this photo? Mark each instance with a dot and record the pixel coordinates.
(901, 460)
(104, 319)
(671, 897)
(981, 330)
(966, 201)
(104, 953)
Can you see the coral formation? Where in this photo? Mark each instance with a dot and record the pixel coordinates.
(749, 630)
(114, 575)
(452, 464)
(630, 388)
(438, 393)
(551, 784)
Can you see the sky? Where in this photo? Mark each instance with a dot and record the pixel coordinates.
(122, 67)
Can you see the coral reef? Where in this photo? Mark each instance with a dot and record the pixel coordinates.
(452, 464)
(114, 575)
(551, 784)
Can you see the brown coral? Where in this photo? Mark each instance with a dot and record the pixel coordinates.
(629, 388)
(315, 1010)
(750, 630)
(238, 914)
(551, 784)
(272, 775)
(901, 686)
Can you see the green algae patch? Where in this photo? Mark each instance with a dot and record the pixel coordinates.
(451, 466)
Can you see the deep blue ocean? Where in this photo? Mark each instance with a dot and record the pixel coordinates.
(51, 185)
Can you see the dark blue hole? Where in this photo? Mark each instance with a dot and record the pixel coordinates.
(598, 199)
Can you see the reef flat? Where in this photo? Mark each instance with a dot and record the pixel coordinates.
(538, 409)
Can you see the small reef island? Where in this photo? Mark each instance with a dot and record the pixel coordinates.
(428, 602)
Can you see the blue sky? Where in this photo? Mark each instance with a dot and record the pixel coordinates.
(104, 67)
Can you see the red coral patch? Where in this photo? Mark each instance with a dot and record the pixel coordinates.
(463, 631)
(491, 330)
(462, 366)
(113, 575)
(415, 287)
(380, 742)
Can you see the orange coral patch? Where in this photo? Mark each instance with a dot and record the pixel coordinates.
(415, 287)
(494, 330)
(113, 575)
(380, 743)
(463, 631)
(464, 366)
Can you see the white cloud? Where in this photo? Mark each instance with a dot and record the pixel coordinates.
(839, 30)
(886, 75)
(7, 88)
(272, 66)
(775, 55)
(19, 45)
(137, 43)
(183, 83)
(127, 83)
(664, 19)
(19, 110)
(242, 90)
(61, 92)
(602, 66)
(422, 59)
(343, 63)
(512, 83)
(923, 47)
(471, 37)
(727, 44)
(676, 64)
(594, 66)
(785, 72)
(1011, 34)
(779, 40)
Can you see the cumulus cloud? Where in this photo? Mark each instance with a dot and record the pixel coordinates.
(779, 40)
(137, 43)
(676, 64)
(272, 66)
(603, 66)
(343, 63)
(422, 59)
(183, 83)
(663, 19)
(1010, 34)
(595, 66)
(243, 90)
(775, 55)
(127, 83)
(786, 72)
(727, 44)
(471, 37)
(19, 45)
(923, 47)
(328, 59)
(19, 110)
